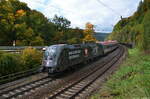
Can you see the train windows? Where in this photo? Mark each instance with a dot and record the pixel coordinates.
(52, 49)
(50, 53)
(46, 54)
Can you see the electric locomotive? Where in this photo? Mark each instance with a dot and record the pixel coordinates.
(60, 57)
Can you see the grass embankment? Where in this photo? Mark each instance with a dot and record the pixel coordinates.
(131, 81)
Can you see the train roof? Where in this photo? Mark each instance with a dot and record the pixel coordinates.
(108, 42)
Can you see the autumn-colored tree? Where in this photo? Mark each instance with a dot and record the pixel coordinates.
(21, 24)
(20, 12)
(88, 33)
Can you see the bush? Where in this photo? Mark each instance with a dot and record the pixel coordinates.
(31, 58)
(12, 63)
(9, 63)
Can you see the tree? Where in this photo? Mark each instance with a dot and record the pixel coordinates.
(74, 36)
(61, 23)
(23, 25)
(29, 27)
(135, 29)
(88, 33)
(146, 38)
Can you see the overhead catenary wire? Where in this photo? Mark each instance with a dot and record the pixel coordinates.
(61, 12)
(99, 1)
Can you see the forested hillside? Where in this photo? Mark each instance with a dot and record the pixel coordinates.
(136, 28)
(20, 25)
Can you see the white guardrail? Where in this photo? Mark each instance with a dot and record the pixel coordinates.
(18, 48)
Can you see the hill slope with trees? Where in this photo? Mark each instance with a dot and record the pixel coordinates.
(20, 25)
(136, 28)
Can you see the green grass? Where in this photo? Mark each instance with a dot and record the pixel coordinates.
(131, 81)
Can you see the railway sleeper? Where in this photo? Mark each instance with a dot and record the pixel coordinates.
(28, 86)
(69, 93)
(65, 95)
(4, 96)
(23, 88)
(59, 97)
(79, 85)
(76, 88)
(12, 93)
(17, 90)
(71, 90)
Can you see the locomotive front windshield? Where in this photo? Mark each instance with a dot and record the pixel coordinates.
(50, 53)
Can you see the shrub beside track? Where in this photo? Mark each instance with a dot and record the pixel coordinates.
(14, 66)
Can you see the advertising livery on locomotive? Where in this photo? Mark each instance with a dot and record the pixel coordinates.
(60, 57)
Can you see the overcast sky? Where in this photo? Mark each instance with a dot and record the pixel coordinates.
(103, 13)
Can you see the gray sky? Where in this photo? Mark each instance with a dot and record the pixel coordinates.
(103, 13)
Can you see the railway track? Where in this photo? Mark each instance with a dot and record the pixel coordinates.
(15, 76)
(68, 90)
(21, 82)
(20, 90)
(73, 89)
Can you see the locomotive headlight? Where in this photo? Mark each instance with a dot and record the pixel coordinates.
(50, 63)
(47, 63)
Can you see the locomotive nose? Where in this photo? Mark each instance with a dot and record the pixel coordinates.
(48, 63)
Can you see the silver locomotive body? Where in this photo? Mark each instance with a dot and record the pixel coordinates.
(51, 56)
